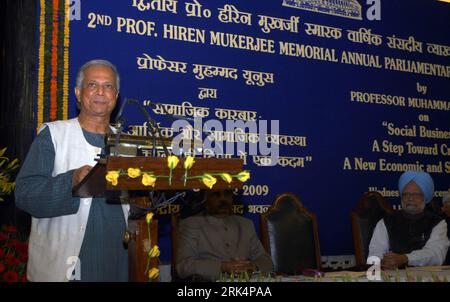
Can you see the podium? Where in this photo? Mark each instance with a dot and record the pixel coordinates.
(136, 236)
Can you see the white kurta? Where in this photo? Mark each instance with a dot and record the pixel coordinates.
(433, 252)
(55, 243)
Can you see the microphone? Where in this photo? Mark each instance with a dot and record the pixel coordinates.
(152, 123)
(119, 118)
(180, 117)
(119, 121)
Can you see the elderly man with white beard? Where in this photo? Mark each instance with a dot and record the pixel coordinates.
(412, 236)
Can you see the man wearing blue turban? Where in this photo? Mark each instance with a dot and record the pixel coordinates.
(411, 236)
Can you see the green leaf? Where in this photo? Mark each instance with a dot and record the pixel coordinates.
(12, 164)
(2, 151)
(246, 277)
(241, 277)
(260, 278)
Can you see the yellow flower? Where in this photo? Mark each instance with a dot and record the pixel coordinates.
(154, 252)
(188, 162)
(148, 180)
(243, 176)
(226, 177)
(153, 273)
(172, 161)
(149, 217)
(209, 180)
(133, 173)
(112, 177)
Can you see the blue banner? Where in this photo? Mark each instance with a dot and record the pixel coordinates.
(360, 90)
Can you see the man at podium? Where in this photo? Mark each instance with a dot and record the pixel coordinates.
(217, 242)
(77, 239)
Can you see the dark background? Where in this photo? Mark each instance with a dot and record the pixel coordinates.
(17, 94)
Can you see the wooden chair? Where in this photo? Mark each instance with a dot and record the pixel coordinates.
(369, 210)
(435, 206)
(289, 233)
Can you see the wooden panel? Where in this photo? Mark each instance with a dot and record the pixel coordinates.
(138, 248)
(94, 184)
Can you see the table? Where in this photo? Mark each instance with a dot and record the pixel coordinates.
(410, 274)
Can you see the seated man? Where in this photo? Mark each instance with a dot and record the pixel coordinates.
(411, 236)
(217, 241)
(446, 211)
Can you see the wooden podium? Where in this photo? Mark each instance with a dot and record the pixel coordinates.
(136, 237)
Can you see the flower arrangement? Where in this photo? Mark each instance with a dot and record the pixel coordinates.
(53, 63)
(13, 255)
(7, 169)
(149, 178)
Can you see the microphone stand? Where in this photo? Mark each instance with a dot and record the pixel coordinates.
(119, 126)
(151, 122)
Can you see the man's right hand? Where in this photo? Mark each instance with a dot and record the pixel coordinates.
(79, 174)
(237, 266)
(392, 261)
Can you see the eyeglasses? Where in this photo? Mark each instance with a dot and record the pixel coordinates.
(415, 195)
(93, 85)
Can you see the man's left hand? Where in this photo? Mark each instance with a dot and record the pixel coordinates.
(393, 260)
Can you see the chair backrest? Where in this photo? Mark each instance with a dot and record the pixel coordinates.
(368, 211)
(289, 234)
(435, 206)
